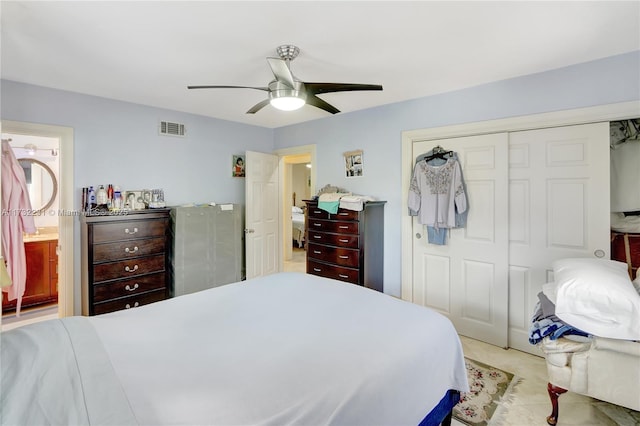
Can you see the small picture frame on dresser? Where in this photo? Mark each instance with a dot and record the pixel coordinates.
(134, 200)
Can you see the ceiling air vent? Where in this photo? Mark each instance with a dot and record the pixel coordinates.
(171, 129)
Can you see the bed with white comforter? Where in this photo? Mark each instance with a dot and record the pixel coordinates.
(287, 348)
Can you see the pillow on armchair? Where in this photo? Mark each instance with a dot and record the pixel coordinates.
(597, 296)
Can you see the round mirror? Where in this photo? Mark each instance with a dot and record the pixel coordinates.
(41, 183)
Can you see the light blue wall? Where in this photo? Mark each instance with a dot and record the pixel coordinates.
(378, 131)
(117, 142)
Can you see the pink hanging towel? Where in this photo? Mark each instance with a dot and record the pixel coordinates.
(17, 217)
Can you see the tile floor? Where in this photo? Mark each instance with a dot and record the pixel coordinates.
(530, 404)
(298, 262)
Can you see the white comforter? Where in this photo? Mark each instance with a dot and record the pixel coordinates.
(283, 349)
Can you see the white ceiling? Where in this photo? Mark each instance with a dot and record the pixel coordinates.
(147, 52)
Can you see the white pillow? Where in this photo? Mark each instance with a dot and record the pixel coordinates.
(295, 209)
(597, 296)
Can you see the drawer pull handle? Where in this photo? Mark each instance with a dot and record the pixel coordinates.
(317, 211)
(317, 237)
(343, 257)
(317, 252)
(127, 231)
(343, 227)
(135, 268)
(317, 269)
(344, 241)
(343, 214)
(129, 288)
(317, 224)
(343, 276)
(133, 250)
(128, 306)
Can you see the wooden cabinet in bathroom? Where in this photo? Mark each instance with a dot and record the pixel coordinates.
(41, 286)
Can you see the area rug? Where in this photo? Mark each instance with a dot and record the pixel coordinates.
(490, 390)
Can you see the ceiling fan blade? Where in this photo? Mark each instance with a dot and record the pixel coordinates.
(257, 107)
(282, 72)
(266, 89)
(319, 103)
(318, 88)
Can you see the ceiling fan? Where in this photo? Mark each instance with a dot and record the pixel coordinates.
(287, 93)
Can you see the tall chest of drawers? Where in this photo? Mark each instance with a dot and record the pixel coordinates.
(124, 260)
(347, 245)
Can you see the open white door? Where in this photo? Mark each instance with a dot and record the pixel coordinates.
(261, 214)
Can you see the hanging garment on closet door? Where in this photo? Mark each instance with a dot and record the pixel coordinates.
(436, 193)
(17, 218)
(439, 236)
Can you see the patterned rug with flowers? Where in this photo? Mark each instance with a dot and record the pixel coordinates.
(490, 390)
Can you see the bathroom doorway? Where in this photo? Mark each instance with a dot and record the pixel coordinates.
(46, 154)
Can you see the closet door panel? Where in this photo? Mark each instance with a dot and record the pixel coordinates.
(434, 289)
(565, 209)
(476, 256)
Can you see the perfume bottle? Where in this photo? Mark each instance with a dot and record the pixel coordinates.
(101, 196)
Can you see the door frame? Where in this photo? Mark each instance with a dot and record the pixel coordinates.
(610, 112)
(66, 215)
(283, 196)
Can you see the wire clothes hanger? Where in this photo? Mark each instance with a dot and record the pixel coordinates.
(436, 152)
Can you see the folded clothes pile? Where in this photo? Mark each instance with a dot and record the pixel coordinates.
(332, 201)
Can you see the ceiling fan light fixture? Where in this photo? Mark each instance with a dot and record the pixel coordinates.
(287, 100)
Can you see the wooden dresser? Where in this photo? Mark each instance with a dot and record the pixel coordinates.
(348, 245)
(124, 260)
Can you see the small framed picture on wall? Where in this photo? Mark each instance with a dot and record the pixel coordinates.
(353, 163)
(238, 166)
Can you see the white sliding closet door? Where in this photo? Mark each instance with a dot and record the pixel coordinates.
(558, 208)
(467, 279)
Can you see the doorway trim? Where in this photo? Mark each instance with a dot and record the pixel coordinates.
(282, 196)
(609, 112)
(67, 213)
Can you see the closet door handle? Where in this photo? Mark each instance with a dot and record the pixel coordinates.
(127, 231)
(133, 250)
(135, 268)
(128, 306)
(129, 288)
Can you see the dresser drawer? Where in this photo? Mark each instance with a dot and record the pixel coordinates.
(107, 232)
(126, 249)
(333, 226)
(339, 256)
(123, 288)
(127, 268)
(342, 240)
(316, 213)
(335, 272)
(129, 302)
